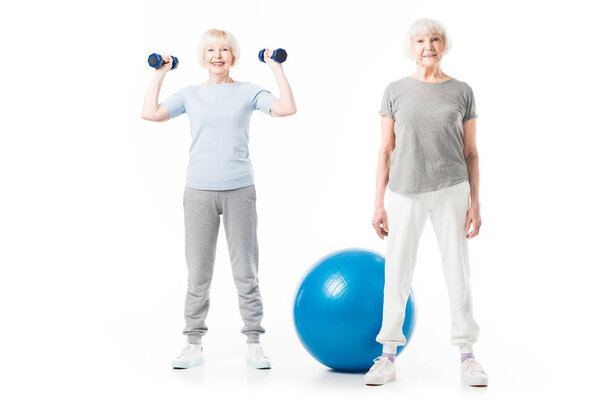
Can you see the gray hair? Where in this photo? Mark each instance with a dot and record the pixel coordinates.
(425, 26)
(217, 36)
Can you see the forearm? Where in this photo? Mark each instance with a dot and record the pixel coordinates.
(383, 175)
(151, 98)
(286, 97)
(473, 169)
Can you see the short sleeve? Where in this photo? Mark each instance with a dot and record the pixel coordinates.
(175, 104)
(386, 104)
(262, 99)
(470, 110)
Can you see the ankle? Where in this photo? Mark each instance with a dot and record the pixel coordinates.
(465, 357)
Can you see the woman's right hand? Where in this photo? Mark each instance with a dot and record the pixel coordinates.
(380, 222)
(167, 64)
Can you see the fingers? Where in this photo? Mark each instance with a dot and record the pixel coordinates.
(468, 224)
(377, 228)
(168, 60)
(167, 63)
(268, 56)
(380, 226)
(475, 231)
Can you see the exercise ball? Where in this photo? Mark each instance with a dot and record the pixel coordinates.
(338, 309)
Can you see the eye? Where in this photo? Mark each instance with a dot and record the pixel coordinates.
(225, 49)
(210, 49)
(436, 39)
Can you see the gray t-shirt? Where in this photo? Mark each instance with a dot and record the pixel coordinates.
(428, 123)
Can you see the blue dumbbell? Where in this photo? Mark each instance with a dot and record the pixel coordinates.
(279, 55)
(155, 61)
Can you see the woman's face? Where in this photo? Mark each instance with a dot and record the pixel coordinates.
(218, 58)
(428, 48)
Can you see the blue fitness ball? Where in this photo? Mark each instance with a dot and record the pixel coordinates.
(338, 309)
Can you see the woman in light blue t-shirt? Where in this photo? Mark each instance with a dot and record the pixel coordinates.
(220, 182)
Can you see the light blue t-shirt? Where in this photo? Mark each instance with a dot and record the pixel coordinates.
(219, 121)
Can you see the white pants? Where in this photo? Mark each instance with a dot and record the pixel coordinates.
(407, 214)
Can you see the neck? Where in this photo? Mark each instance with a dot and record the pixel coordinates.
(430, 74)
(215, 79)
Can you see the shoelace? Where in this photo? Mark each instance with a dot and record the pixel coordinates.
(187, 350)
(259, 352)
(380, 364)
(473, 366)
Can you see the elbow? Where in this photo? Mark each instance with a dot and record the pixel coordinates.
(283, 110)
(153, 117)
(147, 116)
(471, 156)
(385, 152)
(290, 110)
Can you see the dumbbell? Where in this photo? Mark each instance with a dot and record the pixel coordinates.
(279, 55)
(155, 61)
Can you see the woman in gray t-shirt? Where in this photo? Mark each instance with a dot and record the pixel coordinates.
(429, 162)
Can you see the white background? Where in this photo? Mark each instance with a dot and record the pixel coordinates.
(93, 275)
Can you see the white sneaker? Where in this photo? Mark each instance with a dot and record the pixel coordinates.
(473, 374)
(190, 356)
(381, 372)
(256, 357)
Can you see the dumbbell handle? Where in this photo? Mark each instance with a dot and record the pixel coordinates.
(155, 60)
(279, 55)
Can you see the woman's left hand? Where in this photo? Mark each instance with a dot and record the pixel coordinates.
(473, 218)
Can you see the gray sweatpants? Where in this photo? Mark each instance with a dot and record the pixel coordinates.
(202, 211)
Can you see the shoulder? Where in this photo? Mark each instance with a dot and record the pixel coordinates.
(251, 87)
(463, 87)
(396, 88)
(188, 90)
(398, 84)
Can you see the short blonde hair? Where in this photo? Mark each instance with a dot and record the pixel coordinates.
(425, 26)
(214, 36)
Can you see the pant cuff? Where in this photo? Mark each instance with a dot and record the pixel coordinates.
(466, 349)
(390, 348)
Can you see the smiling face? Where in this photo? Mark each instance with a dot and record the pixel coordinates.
(218, 58)
(428, 49)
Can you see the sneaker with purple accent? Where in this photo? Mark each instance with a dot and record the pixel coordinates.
(381, 372)
(473, 374)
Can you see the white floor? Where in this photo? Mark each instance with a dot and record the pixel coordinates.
(121, 367)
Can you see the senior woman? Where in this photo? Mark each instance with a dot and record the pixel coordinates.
(220, 181)
(429, 162)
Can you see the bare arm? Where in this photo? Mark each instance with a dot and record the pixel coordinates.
(388, 143)
(151, 110)
(472, 159)
(286, 105)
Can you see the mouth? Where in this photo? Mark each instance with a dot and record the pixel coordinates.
(429, 55)
(218, 64)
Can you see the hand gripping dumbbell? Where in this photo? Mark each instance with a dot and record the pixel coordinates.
(279, 55)
(155, 61)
